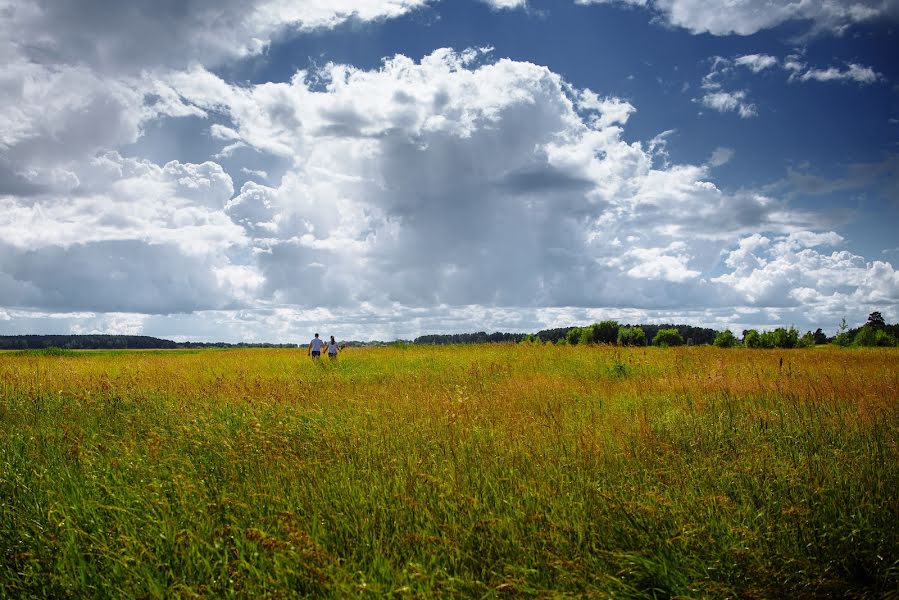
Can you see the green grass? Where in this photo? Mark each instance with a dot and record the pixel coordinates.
(480, 471)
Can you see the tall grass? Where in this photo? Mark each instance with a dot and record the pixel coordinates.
(450, 471)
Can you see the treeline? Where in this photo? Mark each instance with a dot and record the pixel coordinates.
(481, 337)
(112, 342)
(84, 342)
(606, 332)
(875, 332)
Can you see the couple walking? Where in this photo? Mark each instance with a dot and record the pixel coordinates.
(315, 347)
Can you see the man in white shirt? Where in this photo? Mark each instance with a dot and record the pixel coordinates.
(315, 347)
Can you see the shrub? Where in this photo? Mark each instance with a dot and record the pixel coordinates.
(586, 335)
(725, 339)
(573, 335)
(752, 339)
(882, 338)
(631, 336)
(668, 337)
(619, 369)
(807, 340)
(843, 340)
(779, 338)
(786, 338)
(871, 336)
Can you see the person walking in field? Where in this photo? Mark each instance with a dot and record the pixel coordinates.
(332, 349)
(315, 347)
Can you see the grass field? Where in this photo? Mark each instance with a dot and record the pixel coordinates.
(482, 471)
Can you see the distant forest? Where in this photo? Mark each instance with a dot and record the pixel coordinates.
(692, 335)
(696, 335)
(112, 342)
(876, 332)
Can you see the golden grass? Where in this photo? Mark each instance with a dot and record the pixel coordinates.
(450, 471)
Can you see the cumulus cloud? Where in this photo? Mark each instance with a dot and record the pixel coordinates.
(81, 78)
(128, 236)
(436, 193)
(792, 271)
(668, 264)
(461, 180)
(131, 36)
(58, 114)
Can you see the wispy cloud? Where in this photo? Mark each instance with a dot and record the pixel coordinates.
(852, 72)
(730, 102)
(756, 62)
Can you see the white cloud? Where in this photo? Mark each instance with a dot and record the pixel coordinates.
(746, 17)
(130, 236)
(111, 324)
(853, 72)
(429, 194)
(793, 272)
(54, 114)
(756, 62)
(721, 156)
(608, 111)
(668, 264)
(132, 36)
(724, 70)
(126, 199)
(730, 102)
(258, 173)
(506, 4)
(458, 180)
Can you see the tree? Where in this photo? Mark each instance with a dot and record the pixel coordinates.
(725, 339)
(786, 338)
(865, 336)
(631, 336)
(779, 338)
(668, 337)
(767, 340)
(605, 332)
(573, 335)
(882, 338)
(819, 336)
(843, 339)
(807, 340)
(752, 339)
(870, 336)
(875, 321)
(587, 335)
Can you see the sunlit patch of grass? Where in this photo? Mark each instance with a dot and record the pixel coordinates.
(475, 470)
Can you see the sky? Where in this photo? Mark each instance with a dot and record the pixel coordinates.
(232, 170)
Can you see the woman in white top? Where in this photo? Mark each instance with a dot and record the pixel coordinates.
(332, 349)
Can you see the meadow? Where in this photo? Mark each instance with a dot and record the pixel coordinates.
(466, 471)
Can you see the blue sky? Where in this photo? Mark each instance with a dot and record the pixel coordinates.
(256, 171)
